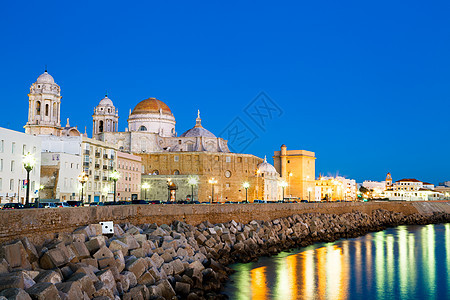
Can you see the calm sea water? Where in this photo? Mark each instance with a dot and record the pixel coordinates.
(406, 262)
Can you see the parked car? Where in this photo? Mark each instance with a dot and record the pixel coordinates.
(139, 202)
(74, 203)
(154, 202)
(62, 204)
(13, 206)
(96, 204)
(49, 204)
(259, 201)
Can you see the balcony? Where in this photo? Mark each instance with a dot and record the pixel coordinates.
(97, 154)
(104, 178)
(87, 152)
(105, 167)
(86, 164)
(97, 166)
(96, 177)
(105, 156)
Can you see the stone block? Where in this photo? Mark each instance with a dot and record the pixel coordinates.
(182, 288)
(102, 253)
(140, 252)
(30, 249)
(157, 260)
(166, 289)
(95, 243)
(103, 263)
(43, 291)
(137, 267)
(119, 245)
(90, 261)
(80, 250)
(146, 279)
(79, 237)
(86, 283)
(130, 241)
(48, 276)
(101, 290)
(138, 292)
(14, 294)
(70, 289)
(52, 259)
(4, 266)
(130, 277)
(16, 255)
(107, 277)
(168, 269)
(177, 266)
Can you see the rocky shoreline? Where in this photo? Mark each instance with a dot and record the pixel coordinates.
(176, 261)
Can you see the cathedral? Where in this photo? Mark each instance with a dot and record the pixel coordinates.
(166, 157)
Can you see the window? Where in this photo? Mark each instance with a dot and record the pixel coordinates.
(142, 128)
(11, 184)
(227, 174)
(1, 165)
(38, 107)
(2, 143)
(228, 159)
(176, 172)
(34, 149)
(46, 110)
(13, 147)
(24, 149)
(176, 158)
(12, 165)
(239, 159)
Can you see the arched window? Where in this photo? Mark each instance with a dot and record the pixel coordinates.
(47, 107)
(155, 172)
(142, 128)
(176, 172)
(38, 107)
(100, 126)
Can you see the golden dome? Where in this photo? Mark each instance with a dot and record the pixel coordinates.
(151, 106)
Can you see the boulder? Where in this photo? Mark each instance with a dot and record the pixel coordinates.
(43, 291)
(182, 288)
(71, 290)
(119, 245)
(80, 250)
(48, 276)
(166, 289)
(52, 259)
(85, 281)
(137, 267)
(146, 279)
(16, 255)
(14, 294)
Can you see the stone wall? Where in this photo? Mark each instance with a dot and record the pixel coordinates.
(41, 224)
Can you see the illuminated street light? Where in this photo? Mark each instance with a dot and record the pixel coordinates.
(82, 178)
(115, 175)
(283, 184)
(106, 191)
(145, 187)
(290, 175)
(246, 185)
(212, 181)
(192, 182)
(28, 163)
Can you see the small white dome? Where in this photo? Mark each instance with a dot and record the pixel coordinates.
(265, 167)
(45, 78)
(106, 102)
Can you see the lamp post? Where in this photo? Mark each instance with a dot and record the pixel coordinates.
(212, 181)
(309, 194)
(145, 186)
(28, 163)
(246, 185)
(192, 182)
(329, 192)
(283, 184)
(82, 178)
(115, 175)
(169, 183)
(290, 175)
(106, 191)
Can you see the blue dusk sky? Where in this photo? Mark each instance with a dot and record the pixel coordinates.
(364, 85)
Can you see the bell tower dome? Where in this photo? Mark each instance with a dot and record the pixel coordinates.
(105, 118)
(44, 107)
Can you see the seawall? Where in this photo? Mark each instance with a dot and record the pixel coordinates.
(41, 224)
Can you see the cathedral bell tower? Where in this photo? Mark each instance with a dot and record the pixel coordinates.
(388, 181)
(44, 107)
(105, 118)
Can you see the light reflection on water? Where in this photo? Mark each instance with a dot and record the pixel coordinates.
(406, 262)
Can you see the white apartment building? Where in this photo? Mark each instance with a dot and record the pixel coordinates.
(67, 167)
(410, 189)
(13, 146)
(377, 188)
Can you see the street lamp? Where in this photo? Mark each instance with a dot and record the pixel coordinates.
(192, 182)
(106, 191)
(329, 192)
(246, 185)
(28, 163)
(212, 181)
(82, 178)
(309, 194)
(115, 175)
(283, 184)
(290, 175)
(145, 186)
